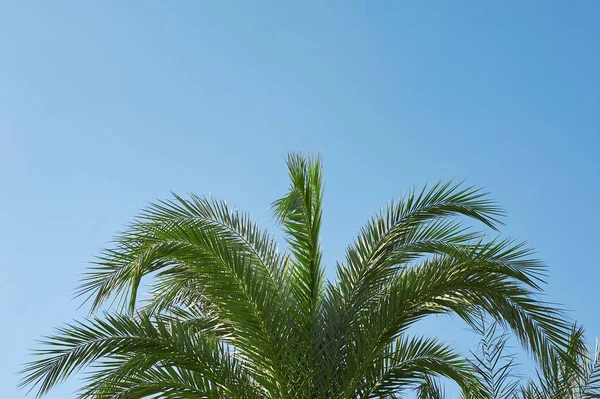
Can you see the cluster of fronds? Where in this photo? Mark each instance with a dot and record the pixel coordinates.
(573, 373)
(231, 316)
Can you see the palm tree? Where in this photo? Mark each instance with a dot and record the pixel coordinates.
(229, 316)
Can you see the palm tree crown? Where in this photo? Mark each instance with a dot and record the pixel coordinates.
(230, 316)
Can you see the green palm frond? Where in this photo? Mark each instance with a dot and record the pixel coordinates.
(198, 250)
(470, 281)
(299, 212)
(166, 231)
(230, 316)
(574, 374)
(431, 388)
(406, 364)
(493, 366)
(591, 384)
(423, 222)
(123, 347)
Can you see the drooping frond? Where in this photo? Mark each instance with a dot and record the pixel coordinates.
(153, 241)
(127, 349)
(403, 365)
(201, 253)
(422, 222)
(472, 280)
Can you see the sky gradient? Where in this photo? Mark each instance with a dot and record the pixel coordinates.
(105, 107)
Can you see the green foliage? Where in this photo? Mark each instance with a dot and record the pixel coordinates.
(494, 367)
(230, 316)
(574, 374)
(570, 374)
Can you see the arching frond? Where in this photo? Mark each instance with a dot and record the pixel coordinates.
(472, 280)
(423, 222)
(127, 348)
(164, 231)
(200, 252)
(404, 365)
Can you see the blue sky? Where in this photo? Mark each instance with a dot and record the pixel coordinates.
(107, 106)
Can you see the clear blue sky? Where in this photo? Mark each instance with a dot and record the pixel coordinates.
(107, 106)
